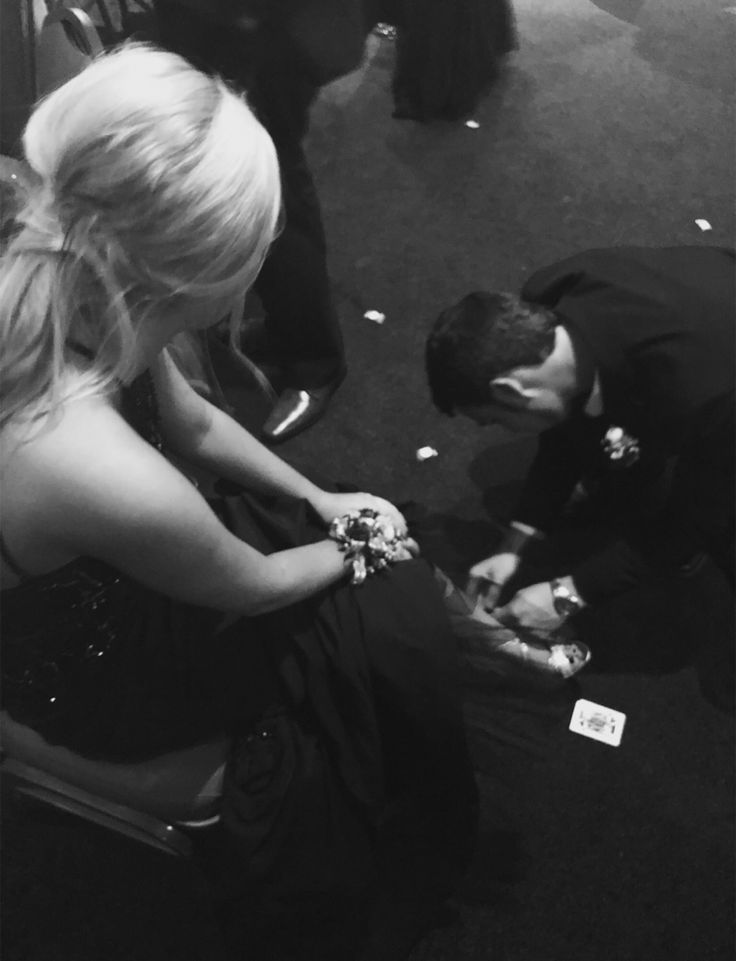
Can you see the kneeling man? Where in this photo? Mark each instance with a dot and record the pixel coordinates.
(622, 361)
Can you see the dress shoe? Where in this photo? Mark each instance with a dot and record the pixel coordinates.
(484, 642)
(296, 410)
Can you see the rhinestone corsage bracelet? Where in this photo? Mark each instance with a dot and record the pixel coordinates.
(369, 541)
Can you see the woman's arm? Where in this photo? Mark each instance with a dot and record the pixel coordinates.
(93, 487)
(206, 436)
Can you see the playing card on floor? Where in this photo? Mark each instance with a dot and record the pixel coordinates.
(599, 722)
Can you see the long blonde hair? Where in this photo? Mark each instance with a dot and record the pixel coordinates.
(155, 187)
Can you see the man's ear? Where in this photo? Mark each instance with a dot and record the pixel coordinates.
(510, 392)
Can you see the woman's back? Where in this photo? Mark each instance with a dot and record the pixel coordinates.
(39, 463)
(89, 655)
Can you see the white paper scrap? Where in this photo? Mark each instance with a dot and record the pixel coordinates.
(386, 30)
(473, 124)
(598, 722)
(424, 453)
(375, 315)
(704, 225)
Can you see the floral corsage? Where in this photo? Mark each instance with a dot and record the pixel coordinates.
(368, 539)
(622, 449)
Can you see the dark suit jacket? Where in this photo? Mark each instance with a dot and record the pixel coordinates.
(658, 325)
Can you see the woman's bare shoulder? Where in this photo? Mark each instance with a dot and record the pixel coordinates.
(72, 469)
(69, 440)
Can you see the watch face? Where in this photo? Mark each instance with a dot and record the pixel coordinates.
(565, 603)
(565, 606)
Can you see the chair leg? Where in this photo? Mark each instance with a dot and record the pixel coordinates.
(32, 785)
(149, 831)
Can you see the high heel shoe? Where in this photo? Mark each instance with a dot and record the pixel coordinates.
(563, 659)
(553, 654)
(484, 642)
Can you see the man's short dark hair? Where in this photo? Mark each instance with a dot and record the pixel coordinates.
(481, 337)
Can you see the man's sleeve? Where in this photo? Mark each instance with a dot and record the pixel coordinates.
(549, 285)
(698, 517)
(620, 566)
(557, 467)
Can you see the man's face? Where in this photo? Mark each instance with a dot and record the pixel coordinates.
(545, 410)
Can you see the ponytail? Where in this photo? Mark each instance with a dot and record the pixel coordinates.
(156, 190)
(57, 292)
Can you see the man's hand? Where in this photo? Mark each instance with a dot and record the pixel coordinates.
(533, 608)
(487, 578)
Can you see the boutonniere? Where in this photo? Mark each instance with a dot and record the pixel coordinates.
(622, 449)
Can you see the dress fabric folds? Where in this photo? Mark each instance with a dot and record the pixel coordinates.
(357, 788)
(448, 54)
(349, 776)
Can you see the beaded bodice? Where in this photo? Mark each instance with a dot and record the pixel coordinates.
(59, 627)
(52, 626)
(140, 408)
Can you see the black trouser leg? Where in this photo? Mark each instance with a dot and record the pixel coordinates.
(302, 328)
(301, 321)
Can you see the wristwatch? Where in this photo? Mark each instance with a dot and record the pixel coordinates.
(565, 602)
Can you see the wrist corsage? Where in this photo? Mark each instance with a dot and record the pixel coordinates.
(369, 541)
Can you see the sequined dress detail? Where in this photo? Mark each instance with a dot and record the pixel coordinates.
(75, 639)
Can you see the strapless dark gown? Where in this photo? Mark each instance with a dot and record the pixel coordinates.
(344, 711)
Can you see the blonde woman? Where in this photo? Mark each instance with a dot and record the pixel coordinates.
(140, 617)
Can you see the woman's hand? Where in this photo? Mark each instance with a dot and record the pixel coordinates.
(330, 505)
(408, 550)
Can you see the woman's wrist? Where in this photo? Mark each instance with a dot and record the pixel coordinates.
(369, 541)
(320, 501)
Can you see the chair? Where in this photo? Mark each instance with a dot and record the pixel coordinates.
(43, 44)
(104, 14)
(160, 803)
(66, 42)
(127, 18)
